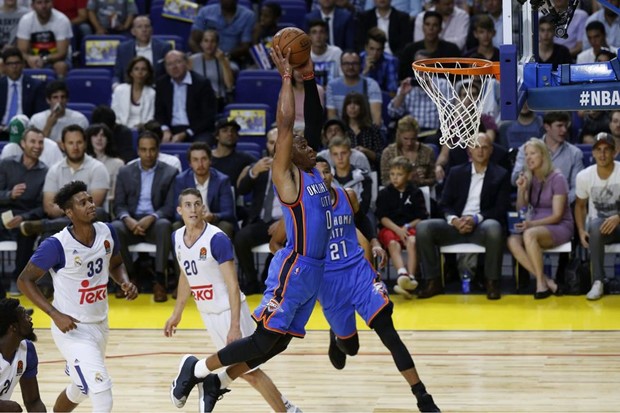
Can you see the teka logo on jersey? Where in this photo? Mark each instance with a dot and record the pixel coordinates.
(202, 292)
(91, 295)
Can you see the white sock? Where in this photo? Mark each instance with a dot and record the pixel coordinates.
(402, 271)
(290, 407)
(225, 379)
(200, 369)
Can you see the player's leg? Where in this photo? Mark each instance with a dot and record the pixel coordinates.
(263, 384)
(69, 398)
(412, 257)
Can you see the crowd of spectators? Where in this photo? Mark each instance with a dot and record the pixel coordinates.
(378, 119)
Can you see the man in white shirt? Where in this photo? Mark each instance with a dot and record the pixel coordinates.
(326, 57)
(53, 120)
(455, 23)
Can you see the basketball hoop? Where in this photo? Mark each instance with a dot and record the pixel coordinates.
(442, 79)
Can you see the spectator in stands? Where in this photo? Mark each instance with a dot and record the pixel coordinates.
(100, 146)
(172, 160)
(267, 25)
(333, 128)
(400, 207)
(378, 64)
(300, 93)
(133, 102)
(564, 155)
(352, 81)
(411, 99)
(475, 201)
(215, 187)
(234, 25)
(143, 44)
(597, 213)
(24, 94)
(122, 136)
(393, 22)
(365, 137)
(597, 41)
(111, 17)
(10, 13)
(576, 28)
(594, 122)
(76, 12)
(548, 50)
(264, 213)
(77, 166)
(605, 55)
(326, 57)
(517, 132)
(543, 191)
(341, 24)
(44, 37)
(432, 44)
(144, 208)
(51, 152)
(421, 156)
(21, 192)
(226, 158)
(484, 32)
(411, 7)
(611, 23)
(614, 128)
(454, 23)
(493, 9)
(52, 121)
(185, 104)
(213, 64)
(347, 176)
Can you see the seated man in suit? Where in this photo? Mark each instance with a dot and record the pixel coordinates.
(144, 45)
(21, 94)
(475, 201)
(144, 208)
(185, 103)
(215, 187)
(264, 213)
(341, 23)
(399, 31)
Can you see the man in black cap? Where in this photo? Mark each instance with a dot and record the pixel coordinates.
(335, 127)
(225, 158)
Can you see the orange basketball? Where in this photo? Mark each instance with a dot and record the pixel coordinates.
(295, 39)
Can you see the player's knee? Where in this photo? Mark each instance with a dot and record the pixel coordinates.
(75, 394)
(265, 340)
(349, 346)
(102, 401)
(252, 377)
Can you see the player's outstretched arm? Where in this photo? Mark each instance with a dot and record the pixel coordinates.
(234, 299)
(183, 293)
(119, 275)
(314, 114)
(27, 284)
(31, 395)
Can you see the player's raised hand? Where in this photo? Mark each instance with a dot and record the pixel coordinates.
(130, 290)
(171, 325)
(281, 60)
(64, 322)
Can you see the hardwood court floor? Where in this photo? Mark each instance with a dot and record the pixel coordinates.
(512, 355)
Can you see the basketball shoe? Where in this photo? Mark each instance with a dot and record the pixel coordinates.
(336, 356)
(210, 393)
(184, 382)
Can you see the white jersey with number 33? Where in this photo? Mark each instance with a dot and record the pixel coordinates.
(201, 263)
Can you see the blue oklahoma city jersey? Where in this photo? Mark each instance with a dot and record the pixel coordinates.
(343, 244)
(308, 219)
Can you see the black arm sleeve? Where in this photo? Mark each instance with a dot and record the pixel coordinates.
(314, 116)
(363, 223)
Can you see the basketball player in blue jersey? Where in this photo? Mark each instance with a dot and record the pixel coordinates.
(18, 358)
(296, 272)
(80, 259)
(206, 258)
(351, 284)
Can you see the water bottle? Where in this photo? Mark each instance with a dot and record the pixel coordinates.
(547, 265)
(617, 266)
(466, 282)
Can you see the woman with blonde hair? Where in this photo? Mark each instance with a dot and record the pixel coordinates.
(542, 191)
(422, 156)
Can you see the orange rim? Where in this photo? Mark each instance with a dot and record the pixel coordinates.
(475, 67)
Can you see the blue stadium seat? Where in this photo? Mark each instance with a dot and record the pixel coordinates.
(252, 148)
(294, 14)
(587, 154)
(244, 3)
(258, 90)
(282, 3)
(44, 75)
(85, 109)
(177, 42)
(90, 89)
(164, 25)
(177, 149)
(256, 73)
(89, 71)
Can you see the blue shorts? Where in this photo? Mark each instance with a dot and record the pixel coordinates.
(350, 288)
(292, 287)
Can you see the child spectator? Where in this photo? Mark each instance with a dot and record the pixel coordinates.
(400, 206)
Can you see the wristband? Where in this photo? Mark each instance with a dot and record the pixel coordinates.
(286, 76)
(308, 76)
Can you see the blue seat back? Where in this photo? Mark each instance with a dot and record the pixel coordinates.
(44, 75)
(90, 89)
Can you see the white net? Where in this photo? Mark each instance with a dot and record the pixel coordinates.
(459, 99)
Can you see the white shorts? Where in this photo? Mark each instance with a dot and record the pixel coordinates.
(218, 325)
(84, 351)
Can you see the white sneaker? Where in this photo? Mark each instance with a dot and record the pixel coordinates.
(596, 291)
(407, 282)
